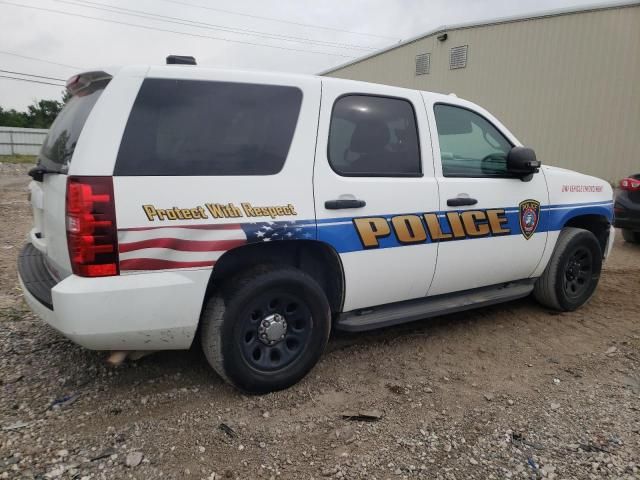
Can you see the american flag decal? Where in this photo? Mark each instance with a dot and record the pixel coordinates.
(272, 231)
(198, 246)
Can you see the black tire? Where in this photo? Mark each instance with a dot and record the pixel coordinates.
(296, 307)
(630, 236)
(573, 271)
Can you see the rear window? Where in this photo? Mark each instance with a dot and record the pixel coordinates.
(192, 127)
(60, 143)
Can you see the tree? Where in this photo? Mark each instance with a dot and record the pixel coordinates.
(12, 118)
(43, 112)
(40, 114)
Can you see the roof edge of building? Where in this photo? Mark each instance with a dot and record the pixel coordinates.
(495, 21)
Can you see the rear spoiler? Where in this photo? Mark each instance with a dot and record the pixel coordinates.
(82, 81)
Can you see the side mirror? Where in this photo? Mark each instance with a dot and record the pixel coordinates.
(522, 162)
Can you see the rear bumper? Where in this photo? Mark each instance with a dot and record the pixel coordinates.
(152, 311)
(627, 212)
(35, 277)
(628, 223)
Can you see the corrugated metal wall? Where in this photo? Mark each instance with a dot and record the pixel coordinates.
(21, 141)
(566, 85)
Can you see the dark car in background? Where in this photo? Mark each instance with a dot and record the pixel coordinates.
(627, 208)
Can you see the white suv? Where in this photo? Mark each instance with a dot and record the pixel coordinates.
(261, 210)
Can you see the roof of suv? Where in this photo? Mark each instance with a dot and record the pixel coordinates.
(199, 72)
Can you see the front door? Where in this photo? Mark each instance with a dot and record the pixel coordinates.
(373, 176)
(494, 221)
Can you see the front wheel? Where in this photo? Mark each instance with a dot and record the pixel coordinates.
(267, 330)
(630, 236)
(573, 271)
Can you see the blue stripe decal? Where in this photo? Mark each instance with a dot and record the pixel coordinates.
(342, 235)
(558, 215)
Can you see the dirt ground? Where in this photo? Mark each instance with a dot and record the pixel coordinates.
(512, 391)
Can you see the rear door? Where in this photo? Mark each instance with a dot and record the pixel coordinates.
(494, 223)
(373, 178)
(211, 160)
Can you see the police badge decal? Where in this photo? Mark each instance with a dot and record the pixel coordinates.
(529, 217)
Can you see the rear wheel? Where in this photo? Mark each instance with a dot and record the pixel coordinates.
(573, 271)
(631, 236)
(267, 329)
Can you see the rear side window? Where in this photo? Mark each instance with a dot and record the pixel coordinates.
(374, 137)
(192, 127)
(58, 147)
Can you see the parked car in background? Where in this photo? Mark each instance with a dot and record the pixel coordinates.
(627, 208)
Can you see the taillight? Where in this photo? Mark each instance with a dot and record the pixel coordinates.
(92, 235)
(630, 184)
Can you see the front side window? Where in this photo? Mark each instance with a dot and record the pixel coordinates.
(470, 146)
(374, 137)
(193, 127)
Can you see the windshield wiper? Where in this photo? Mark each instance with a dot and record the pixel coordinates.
(38, 172)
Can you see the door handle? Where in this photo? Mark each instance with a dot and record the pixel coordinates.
(461, 201)
(344, 203)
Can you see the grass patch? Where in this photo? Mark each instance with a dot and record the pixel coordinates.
(18, 159)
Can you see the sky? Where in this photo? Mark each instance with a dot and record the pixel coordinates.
(286, 35)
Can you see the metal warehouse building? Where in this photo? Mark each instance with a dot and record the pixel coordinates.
(566, 83)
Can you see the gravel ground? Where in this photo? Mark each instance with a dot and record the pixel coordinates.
(512, 391)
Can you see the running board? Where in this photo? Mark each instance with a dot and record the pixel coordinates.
(410, 310)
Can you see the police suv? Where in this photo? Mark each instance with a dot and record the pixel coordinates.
(257, 211)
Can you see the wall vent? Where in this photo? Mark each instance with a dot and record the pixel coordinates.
(458, 57)
(423, 63)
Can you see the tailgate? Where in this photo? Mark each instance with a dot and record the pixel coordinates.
(48, 190)
(49, 234)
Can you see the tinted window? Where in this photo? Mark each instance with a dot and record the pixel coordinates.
(374, 136)
(58, 147)
(470, 146)
(187, 127)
